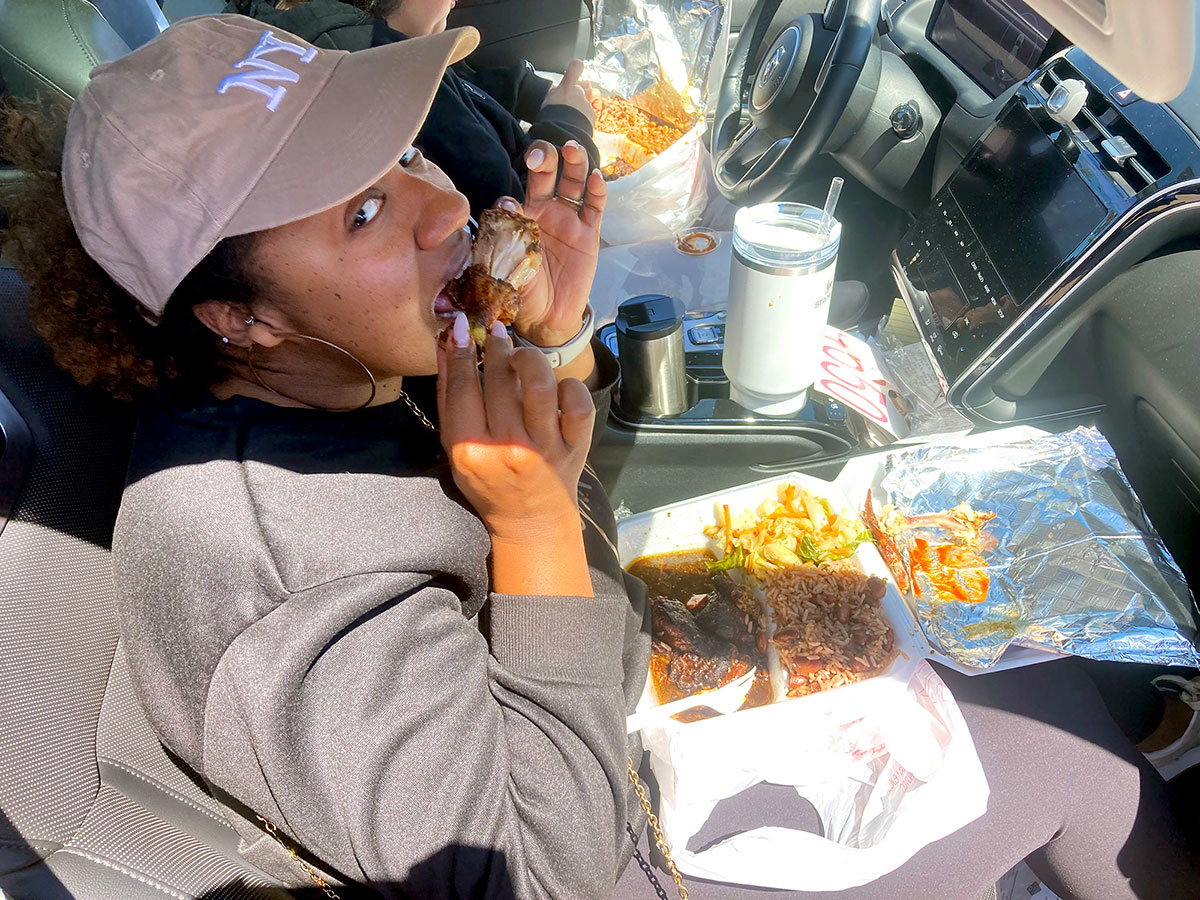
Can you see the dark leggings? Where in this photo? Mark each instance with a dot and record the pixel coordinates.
(1068, 792)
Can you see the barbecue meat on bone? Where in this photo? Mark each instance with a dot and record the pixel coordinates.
(505, 257)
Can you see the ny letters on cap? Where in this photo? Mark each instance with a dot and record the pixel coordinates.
(265, 70)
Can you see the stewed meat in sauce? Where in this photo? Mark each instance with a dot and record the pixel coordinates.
(705, 630)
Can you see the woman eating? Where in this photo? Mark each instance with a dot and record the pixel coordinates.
(369, 596)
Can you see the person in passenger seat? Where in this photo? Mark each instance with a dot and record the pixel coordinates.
(470, 134)
(373, 602)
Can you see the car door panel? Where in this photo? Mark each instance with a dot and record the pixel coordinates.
(1142, 343)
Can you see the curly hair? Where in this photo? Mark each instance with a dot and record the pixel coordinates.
(94, 327)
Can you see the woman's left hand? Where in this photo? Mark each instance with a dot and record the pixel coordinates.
(573, 93)
(568, 214)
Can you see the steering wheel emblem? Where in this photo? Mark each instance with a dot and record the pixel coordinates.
(773, 63)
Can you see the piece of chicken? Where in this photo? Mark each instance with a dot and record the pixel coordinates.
(505, 257)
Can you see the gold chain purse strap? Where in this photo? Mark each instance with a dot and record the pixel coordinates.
(660, 839)
(660, 842)
(291, 851)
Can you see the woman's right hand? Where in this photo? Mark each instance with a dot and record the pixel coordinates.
(517, 445)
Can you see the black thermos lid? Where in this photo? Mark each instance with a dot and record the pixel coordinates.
(649, 316)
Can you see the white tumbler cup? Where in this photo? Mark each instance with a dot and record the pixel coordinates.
(780, 282)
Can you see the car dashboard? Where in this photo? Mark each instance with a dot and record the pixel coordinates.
(1045, 207)
(997, 43)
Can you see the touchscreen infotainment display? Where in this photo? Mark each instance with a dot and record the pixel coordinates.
(1024, 201)
(996, 42)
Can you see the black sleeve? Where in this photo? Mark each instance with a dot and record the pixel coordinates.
(517, 88)
(608, 370)
(559, 123)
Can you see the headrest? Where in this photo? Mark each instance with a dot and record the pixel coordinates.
(48, 49)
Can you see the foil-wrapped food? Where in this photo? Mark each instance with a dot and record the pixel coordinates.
(650, 75)
(641, 42)
(1041, 543)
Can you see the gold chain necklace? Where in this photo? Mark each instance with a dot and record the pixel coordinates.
(416, 410)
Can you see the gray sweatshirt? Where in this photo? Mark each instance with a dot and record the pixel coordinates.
(304, 602)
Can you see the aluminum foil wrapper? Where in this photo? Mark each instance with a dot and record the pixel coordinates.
(641, 42)
(1078, 567)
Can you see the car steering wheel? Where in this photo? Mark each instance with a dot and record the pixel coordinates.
(807, 75)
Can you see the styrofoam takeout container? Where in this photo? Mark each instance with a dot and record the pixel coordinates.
(679, 528)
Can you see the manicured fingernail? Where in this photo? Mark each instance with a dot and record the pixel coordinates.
(498, 329)
(509, 204)
(534, 158)
(575, 144)
(462, 334)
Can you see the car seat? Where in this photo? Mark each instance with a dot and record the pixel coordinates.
(48, 47)
(136, 21)
(174, 10)
(91, 805)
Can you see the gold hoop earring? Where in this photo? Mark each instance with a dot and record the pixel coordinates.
(308, 337)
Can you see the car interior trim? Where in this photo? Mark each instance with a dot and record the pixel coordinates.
(1181, 215)
(1151, 212)
(16, 457)
(1133, 207)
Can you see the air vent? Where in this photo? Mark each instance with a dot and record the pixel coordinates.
(1101, 129)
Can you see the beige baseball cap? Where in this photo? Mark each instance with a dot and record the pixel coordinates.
(222, 126)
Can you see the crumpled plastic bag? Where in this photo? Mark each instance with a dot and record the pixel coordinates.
(889, 770)
(663, 197)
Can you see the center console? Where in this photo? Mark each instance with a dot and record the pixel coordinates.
(827, 427)
(1012, 214)
(996, 273)
(998, 267)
